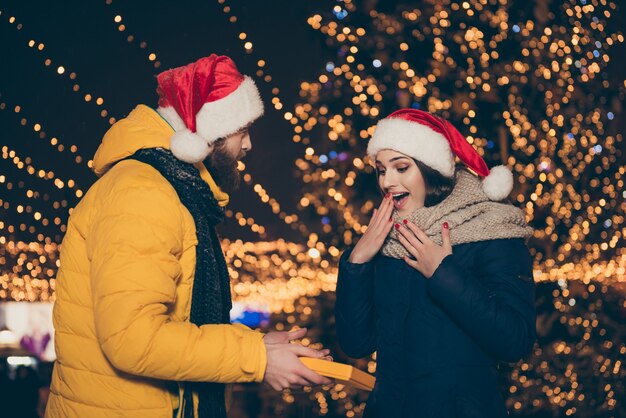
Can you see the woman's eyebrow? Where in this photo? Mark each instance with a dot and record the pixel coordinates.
(392, 160)
(398, 158)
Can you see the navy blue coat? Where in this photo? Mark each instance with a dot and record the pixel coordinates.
(438, 340)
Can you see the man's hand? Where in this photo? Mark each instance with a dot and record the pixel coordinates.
(284, 369)
(283, 337)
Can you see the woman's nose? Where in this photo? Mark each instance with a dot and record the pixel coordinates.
(388, 182)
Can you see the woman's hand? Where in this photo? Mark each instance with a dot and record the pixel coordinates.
(427, 254)
(372, 241)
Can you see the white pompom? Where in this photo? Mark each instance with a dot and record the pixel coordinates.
(189, 147)
(499, 183)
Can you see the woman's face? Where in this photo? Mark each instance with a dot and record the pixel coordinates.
(399, 175)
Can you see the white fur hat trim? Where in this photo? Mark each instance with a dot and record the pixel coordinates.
(499, 183)
(415, 140)
(189, 147)
(226, 116)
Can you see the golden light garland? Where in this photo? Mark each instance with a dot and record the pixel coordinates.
(143, 45)
(293, 220)
(32, 194)
(61, 70)
(60, 184)
(26, 165)
(515, 121)
(54, 141)
(299, 127)
(549, 155)
(29, 271)
(25, 211)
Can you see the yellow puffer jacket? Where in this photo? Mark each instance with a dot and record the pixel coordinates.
(123, 336)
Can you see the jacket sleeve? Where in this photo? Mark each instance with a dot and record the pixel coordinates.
(134, 246)
(354, 309)
(495, 303)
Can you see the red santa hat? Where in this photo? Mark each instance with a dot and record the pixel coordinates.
(435, 142)
(205, 101)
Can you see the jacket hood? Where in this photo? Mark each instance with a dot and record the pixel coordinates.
(142, 128)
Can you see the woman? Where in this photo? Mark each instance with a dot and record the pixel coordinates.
(440, 285)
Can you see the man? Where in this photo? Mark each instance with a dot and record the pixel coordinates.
(143, 296)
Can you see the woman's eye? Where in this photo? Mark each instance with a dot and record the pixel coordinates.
(402, 169)
(381, 172)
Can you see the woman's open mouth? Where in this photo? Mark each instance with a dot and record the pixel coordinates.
(399, 200)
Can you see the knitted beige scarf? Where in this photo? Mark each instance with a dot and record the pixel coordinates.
(470, 214)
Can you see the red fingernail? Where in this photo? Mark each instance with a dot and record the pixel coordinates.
(445, 225)
(387, 195)
(405, 221)
(397, 226)
(390, 218)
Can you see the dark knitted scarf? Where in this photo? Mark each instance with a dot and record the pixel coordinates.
(211, 299)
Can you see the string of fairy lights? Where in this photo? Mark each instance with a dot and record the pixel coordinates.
(30, 194)
(99, 101)
(262, 73)
(142, 44)
(289, 219)
(335, 182)
(56, 145)
(8, 154)
(519, 87)
(302, 123)
(45, 292)
(315, 247)
(27, 165)
(61, 70)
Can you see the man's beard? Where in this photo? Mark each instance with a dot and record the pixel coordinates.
(223, 168)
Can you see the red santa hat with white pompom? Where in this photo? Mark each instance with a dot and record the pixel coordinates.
(435, 142)
(205, 101)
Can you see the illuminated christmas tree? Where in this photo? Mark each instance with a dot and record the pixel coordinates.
(525, 82)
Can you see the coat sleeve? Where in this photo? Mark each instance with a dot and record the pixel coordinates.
(495, 303)
(134, 246)
(354, 309)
